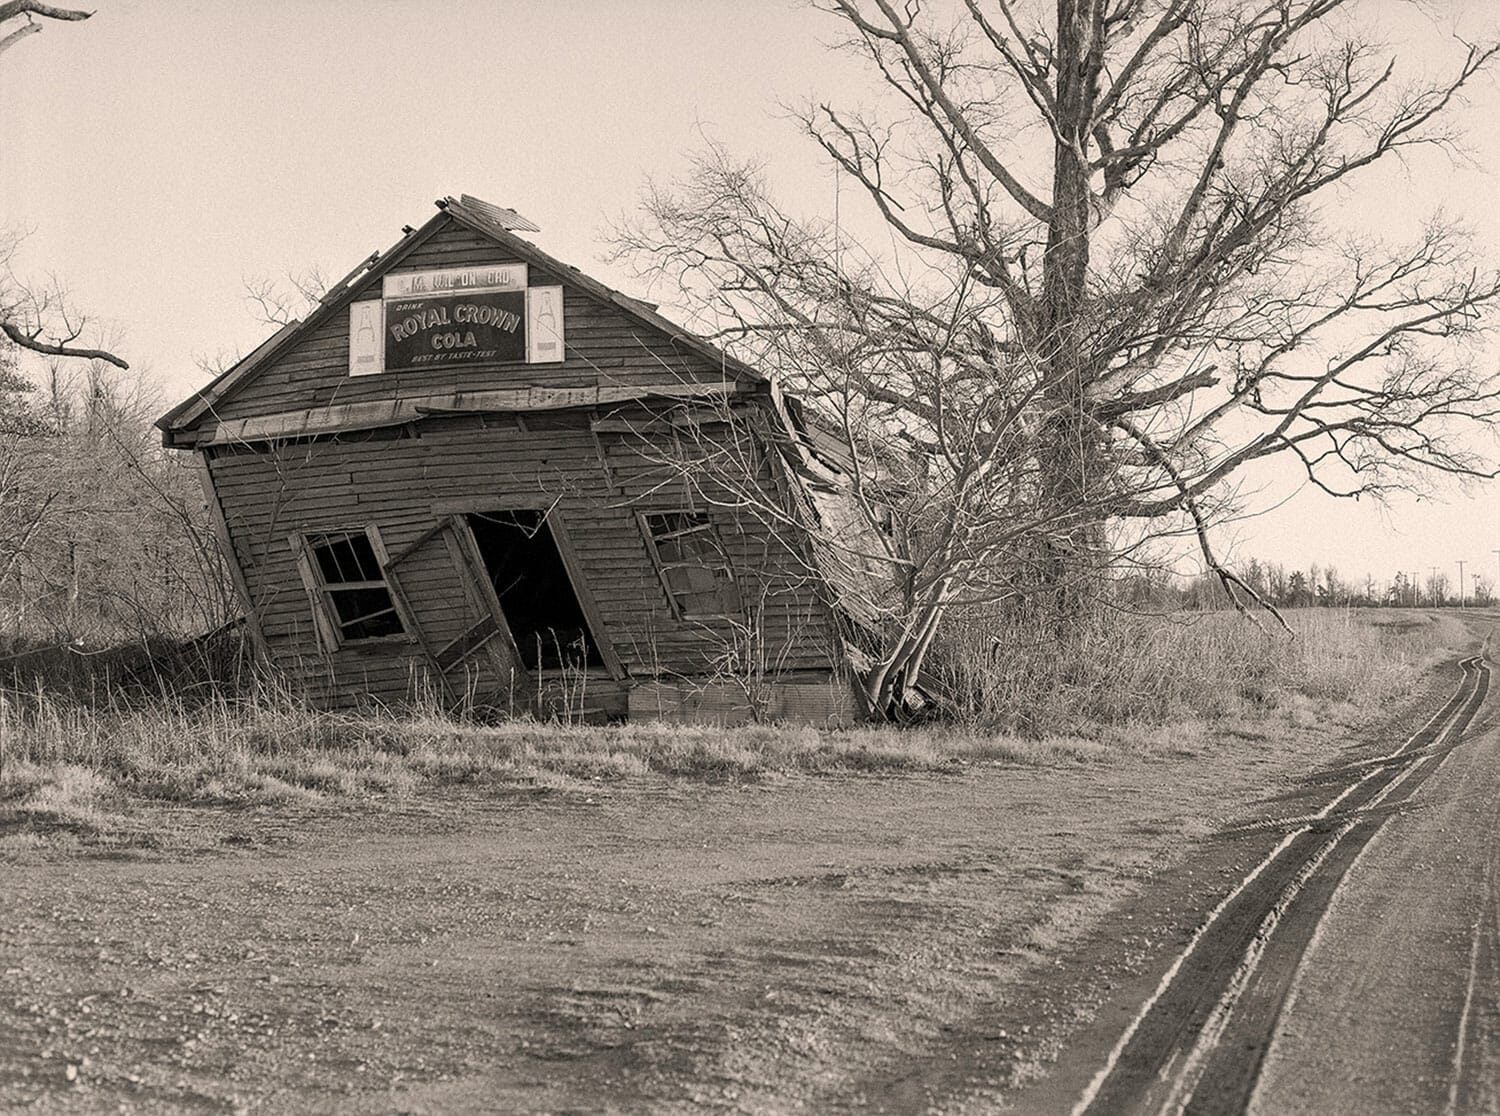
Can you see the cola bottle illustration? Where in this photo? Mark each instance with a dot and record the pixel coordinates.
(364, 340)
(546, 329)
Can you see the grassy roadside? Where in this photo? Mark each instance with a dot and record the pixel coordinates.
(69, 767)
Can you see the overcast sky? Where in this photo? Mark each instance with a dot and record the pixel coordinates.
(164, 152)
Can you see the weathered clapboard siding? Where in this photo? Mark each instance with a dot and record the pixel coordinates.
(401, 485)
(604, 346)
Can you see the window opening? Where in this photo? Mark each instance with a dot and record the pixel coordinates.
(524, 564)
(354, 586)
(693, 565)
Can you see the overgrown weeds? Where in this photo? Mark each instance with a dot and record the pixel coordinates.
(1124, 669)
(142, 668)
(262, 745)
(69, 759)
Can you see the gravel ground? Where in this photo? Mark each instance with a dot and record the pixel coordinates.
(802, 944)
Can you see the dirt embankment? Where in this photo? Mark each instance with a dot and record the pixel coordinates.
(814, 943)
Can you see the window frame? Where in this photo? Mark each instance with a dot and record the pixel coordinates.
(320, 593)
(707, 527)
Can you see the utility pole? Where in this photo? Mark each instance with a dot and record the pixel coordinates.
(1432, 588)
(1460, 583)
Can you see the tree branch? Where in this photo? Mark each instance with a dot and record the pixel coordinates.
(18, 34)
(1186, 500)
(32, 342)
(898, 33)
(11, 9)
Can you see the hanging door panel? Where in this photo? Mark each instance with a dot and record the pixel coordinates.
(443, 588)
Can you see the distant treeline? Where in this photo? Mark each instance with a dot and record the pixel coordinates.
(1316, 586)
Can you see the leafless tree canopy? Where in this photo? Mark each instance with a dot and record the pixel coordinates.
(104, 537)
(1117, 254)
(288, 299)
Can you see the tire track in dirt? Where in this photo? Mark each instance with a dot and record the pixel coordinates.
(1399, 966)
(1470, 1089)
(1235, 1059)
(1197, 1043)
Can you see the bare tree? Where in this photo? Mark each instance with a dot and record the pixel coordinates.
(104, 535)
(283, 301)
(39, 316)
(1111, 209)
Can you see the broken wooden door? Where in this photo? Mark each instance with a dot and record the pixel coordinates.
(441, 583)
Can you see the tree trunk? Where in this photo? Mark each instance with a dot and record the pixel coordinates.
(887, 687)
(1072, 446)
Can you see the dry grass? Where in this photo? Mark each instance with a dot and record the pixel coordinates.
(65, 762)
(1163, 687)
(1141, 670)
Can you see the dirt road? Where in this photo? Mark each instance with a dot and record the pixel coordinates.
(1351, 962)
(1396, 1005)
(824, 944)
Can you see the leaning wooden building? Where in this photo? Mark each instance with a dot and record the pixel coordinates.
(474, 473)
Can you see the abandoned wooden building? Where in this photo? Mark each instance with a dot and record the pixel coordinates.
(475, 474)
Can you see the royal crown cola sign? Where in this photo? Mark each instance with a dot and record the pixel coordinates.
(480, 315)
(469, 328)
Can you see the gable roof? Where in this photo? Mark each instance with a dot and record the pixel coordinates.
(489, 221)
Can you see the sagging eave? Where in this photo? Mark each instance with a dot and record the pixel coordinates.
(375, 414)
(180, 420)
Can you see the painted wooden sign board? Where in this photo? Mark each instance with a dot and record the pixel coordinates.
(470, 328)
(544, 324)
(455, 316)
(366, 338)
(454, 280)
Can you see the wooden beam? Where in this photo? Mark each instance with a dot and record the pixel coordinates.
(396, 412)
(470, 640)
(409, 614)
(328, 633)
(585, 598)
(421, 540)
(236, 574)
(505, 656)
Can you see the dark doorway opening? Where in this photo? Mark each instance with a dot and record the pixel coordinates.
(542, 610)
